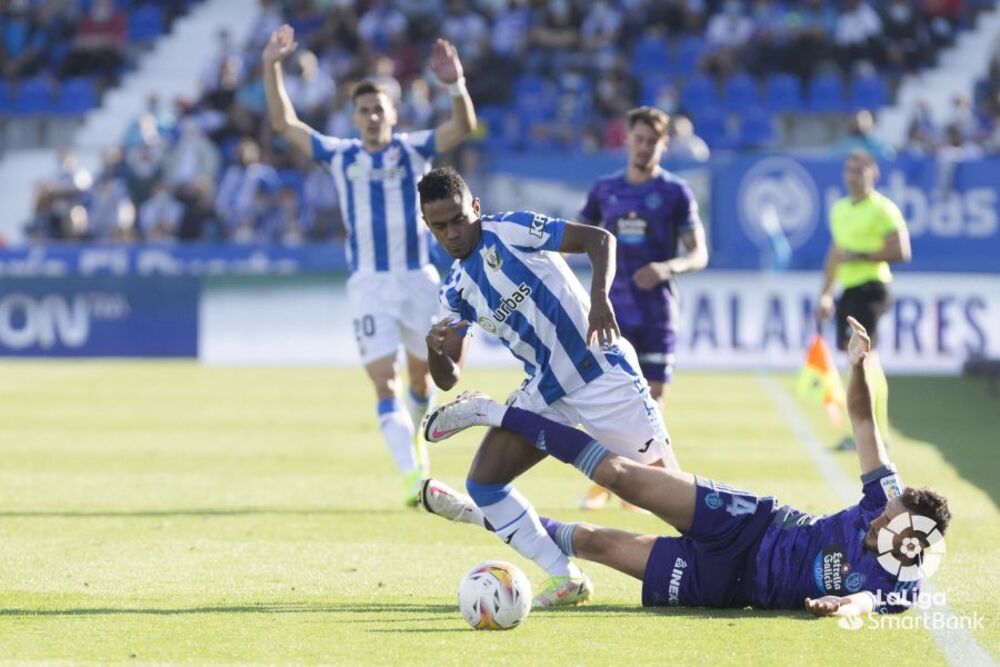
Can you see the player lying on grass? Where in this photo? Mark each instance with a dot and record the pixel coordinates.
(738, 549)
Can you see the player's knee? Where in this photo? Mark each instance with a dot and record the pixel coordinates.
(612, 473)
(589, 540)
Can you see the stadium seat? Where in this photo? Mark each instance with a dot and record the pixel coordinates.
(76, 97)
(649, 56)
(710, 125)
(784, 94)
(756, 128)
(650, 87)
(33, 97)
(740, 92)
(699, 94)
(868, 92)
(496, 127)
(528, 85)
(146, 23)
(687, 56)
(826, 94)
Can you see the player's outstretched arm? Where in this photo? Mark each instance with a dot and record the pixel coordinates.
(656, 273)
(447, 347)
(280, 111)
(871, 449)
(856, 604)
(448, 69)
(600, 246)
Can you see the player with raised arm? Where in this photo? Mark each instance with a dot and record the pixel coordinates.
(392, 290)
(651, 212)
(736, 548)
(510, 280)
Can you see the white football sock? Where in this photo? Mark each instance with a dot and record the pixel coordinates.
(516, 523)
(417, 405)
(397, 430)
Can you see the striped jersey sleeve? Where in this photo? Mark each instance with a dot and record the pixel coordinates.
(528, 231)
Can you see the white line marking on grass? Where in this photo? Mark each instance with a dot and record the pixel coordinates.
(959, 647)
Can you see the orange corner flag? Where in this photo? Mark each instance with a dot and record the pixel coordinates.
(820, 382)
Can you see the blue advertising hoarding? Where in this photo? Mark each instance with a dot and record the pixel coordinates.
(99, 317)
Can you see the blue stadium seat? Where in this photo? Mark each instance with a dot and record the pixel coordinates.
(826, 94)
(687, 56)
(651, 84)
(756, 128)
(496, 125)
(784, 94)
(33, 97)
(6, 99)
(868, 92)
(710, 125)
(146, 23)
(699, 94)
(528, 85)
(740, 92)
(650, 55)
(77, 97)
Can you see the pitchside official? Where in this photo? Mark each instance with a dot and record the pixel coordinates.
(868, 233)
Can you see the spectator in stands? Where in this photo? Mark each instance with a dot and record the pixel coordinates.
(857, 33)
(943, 17)
(509, 33)
(769, 42)
(99, 45)
(288, 219)
(861, 136)
(677, 17)
(192, 158)
(811, 26)
(957, 147)
(553, 36)
(268, 20)
(727, 34)
(963, 118)
(383, 72)
(309, 88)
(144, 159)
(320, 206)
(601, 27)
(110, 211)
(907, 42)
(467, 30)
(684, 144)
(160, 216)
(219, 91)
(23, 42)
(198, 221)
(237, 192)
(382, 27)
(922, 134)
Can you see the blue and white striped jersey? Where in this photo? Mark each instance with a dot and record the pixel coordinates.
(515, 284)
(379, 198)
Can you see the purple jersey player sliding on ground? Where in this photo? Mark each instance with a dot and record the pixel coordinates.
(738, 549)
(649, 210)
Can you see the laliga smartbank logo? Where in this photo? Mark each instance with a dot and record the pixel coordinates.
(911, 548)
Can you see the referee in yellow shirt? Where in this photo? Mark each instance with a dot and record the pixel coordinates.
(868, 233)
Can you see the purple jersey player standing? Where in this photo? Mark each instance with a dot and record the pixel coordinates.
(649, 210)
(736, 548)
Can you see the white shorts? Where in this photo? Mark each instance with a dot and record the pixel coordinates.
(616, 409)
(389, 308)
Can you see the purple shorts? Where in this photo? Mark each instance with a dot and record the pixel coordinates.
(712, 563)
(654, 345)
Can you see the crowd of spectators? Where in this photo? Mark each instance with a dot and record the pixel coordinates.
(556, 74)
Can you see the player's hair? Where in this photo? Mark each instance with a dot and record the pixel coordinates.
(367, 87)
(930, 504)
(441, 183)
(651, 116)
(864, 157)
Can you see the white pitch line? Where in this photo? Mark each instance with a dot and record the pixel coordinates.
(959, 647)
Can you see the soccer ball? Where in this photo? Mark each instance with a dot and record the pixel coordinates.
(494, 596)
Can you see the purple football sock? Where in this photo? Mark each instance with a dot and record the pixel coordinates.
(550, 525)
(569, 445)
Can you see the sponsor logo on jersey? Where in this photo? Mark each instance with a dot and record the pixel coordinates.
(492, 258)
(854, 582)
(511, 303)
(674, 587)
(487, 324)
(631, 229)
(537, 227)
(713, 501)
(830, 569)
(891, 486)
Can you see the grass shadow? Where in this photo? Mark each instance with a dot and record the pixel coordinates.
(959, 417)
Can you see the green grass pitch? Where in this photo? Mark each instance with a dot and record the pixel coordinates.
(171, 513)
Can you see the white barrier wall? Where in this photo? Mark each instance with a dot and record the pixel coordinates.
(729, 320)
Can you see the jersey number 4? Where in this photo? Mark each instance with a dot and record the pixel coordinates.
(741, 505)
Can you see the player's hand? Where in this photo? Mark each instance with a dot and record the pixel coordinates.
(828, 605)
(444, 331)
(824, 309)
(653, 274)
(603, 325)
(281, 45)
(860, 344)
(445, 63)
